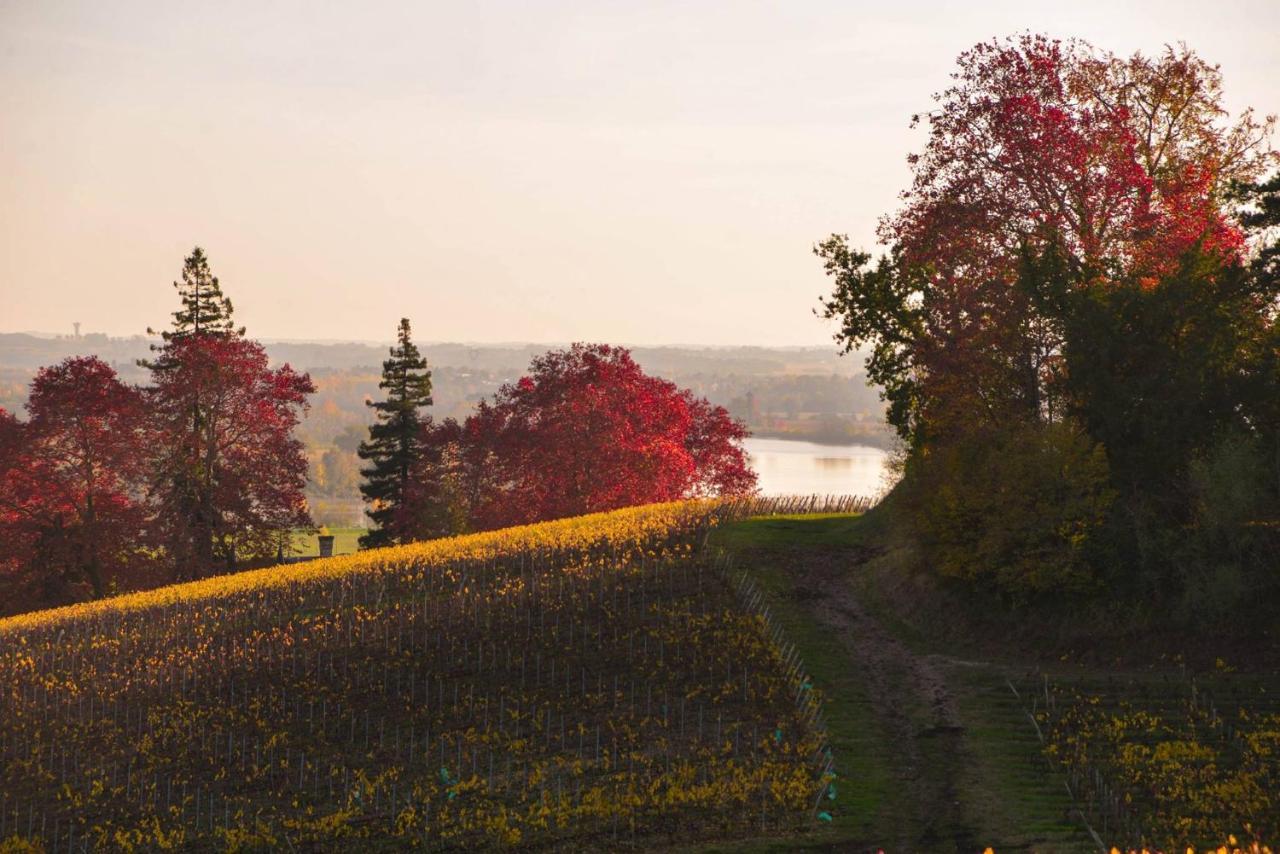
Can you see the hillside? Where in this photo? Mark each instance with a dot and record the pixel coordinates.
(959, 725)
(713, 676)
(600, 682)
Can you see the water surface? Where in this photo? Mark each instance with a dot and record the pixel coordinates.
(789, 467)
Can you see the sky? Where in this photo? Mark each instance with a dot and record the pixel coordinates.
(632, 172)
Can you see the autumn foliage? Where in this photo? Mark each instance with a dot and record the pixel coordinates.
(585, 431)
(72, 480)
(230, 472)
(1122, 162)
(1073, 258)
(106, 486)
(1120, 166)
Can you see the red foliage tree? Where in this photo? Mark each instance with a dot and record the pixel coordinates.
(231, 474)
(437, 501)
(19, 510)
(1120, 162)
(1120, 165)
(73, 480)
(587, 430)
(1065, 283)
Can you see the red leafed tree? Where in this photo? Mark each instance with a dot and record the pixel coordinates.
(19, 505)
(231, 474)
(1122, 162)
(587, 430)
(1120, 165)
(1066, 313)
(437, 498)
(73, 480)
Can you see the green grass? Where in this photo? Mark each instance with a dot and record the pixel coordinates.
(1009, 796)
(345, 541)
(818, 529)
(864, 755)
(1021, 802)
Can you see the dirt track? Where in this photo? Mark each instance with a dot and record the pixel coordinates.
(913, 704)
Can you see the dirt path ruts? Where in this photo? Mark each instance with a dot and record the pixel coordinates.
(909, 696)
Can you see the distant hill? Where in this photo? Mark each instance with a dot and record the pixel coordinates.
(807, 393)
(788, 385)
(31, 351)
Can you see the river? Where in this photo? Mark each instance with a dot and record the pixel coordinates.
(789, 467)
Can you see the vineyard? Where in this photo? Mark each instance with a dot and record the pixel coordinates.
(1165, 762)
(608, 682)
(599, 681)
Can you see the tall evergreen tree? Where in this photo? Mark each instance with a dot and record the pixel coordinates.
(228, 473)
(205, 309)
(394, 447)
(205, 313)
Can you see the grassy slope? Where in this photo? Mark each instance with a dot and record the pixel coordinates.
(268, 700)
(1006, 795)
(866, 798)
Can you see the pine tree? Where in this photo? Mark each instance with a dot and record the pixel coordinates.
(394, 446)
(205, 313)
(205, 309)
(228, 474)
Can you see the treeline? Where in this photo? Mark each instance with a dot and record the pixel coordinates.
(1075, 327)
(792, 406)
(108, 485)
(586, 430)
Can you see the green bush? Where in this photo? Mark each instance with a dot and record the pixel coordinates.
(1011, 509)
(1229, 559)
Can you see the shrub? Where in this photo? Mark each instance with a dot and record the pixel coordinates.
(1012, 509)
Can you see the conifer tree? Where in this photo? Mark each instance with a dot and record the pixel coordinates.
(205, 309)
(228, 472)
(394, 447)
(205, 313)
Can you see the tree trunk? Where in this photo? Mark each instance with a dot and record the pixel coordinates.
(93, 562)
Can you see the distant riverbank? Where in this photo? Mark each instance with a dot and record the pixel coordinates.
(880, 439)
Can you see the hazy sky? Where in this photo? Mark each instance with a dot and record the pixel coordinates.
(640, 172)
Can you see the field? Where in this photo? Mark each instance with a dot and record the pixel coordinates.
(931, 724)
(703, 676)
(601, 681)
(1167, 761)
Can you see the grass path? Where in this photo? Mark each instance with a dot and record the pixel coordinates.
(934, 753)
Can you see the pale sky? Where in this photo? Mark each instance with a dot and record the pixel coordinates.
(642, 172)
